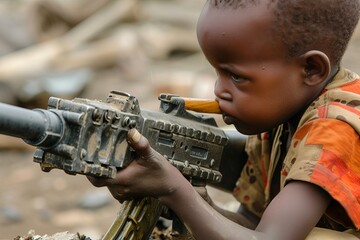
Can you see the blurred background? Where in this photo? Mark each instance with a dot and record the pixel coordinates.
(82, 48)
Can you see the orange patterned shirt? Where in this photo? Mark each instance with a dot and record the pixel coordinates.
(325, 150)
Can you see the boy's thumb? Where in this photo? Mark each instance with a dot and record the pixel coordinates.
(139, 143)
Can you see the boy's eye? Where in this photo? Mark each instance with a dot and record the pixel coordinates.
(235, 77)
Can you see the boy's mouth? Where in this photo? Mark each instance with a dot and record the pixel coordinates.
(228, 119)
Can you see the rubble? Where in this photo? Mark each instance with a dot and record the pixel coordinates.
(57, 236)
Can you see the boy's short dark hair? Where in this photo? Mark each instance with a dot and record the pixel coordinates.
(304, 25)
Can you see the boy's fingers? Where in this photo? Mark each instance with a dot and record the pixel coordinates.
(106, 182)
(139, 143)
(97, 182)
(134, 135)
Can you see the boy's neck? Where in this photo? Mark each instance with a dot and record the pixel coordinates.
(334, 70)
(292, 126)
(293, 123)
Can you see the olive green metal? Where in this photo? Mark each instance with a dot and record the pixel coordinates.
(136, 220)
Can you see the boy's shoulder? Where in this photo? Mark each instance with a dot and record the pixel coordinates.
(344, 80)
(339, 100)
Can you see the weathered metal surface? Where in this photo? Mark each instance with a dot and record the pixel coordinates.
(89, 137)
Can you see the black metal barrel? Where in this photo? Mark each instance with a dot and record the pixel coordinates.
(37, 127)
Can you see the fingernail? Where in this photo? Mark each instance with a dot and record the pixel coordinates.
(135, 135)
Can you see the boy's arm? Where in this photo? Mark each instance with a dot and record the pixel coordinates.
(243, 216)
(291, 215)
(295, 211)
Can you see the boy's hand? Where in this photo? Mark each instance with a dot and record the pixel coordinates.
(150, 174)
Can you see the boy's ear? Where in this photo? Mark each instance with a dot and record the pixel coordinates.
(316, 67)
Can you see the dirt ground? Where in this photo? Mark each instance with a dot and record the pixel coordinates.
(55, 202)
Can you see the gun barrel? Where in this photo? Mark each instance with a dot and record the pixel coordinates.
(36, 127)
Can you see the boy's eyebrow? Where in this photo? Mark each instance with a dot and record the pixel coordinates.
(237, 70)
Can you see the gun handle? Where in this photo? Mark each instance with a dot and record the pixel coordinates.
(202, 105)
(136, 220)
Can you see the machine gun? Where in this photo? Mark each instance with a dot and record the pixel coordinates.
(89, 137)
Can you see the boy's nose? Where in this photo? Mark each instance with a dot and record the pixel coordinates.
(221, 90)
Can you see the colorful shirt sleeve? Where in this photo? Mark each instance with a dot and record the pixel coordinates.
(326, 152)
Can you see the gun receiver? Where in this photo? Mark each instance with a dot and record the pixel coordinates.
(83, 136)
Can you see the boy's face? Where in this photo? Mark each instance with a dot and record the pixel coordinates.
(258, 86)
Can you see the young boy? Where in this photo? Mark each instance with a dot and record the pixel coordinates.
(280, 81)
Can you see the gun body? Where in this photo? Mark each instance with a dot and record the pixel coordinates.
(83, 136)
